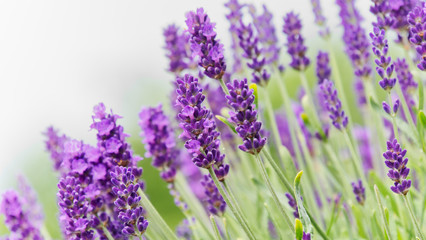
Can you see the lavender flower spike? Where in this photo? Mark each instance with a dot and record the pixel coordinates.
(199, 127)
(323, 68)
(130, 212)
(359, 191)
(215, 202)
(204, 44)
(384, 63)
(333, 105)
(398, 172)
(249, 42)
(293, 204)
(417, 20)
(20, 223)
(295, 43)
(241, 99)
(55, 146)
(234, 17)
(320, 19)
(177, 47)
(159, 141)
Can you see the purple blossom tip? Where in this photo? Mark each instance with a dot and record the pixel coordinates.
(397, 162)
(214, 200)
(177, 48)
(333, 105)
(359, 191)
(417, 21)
(323, 69)
(241, 99)
(295, 42)
(204, 44)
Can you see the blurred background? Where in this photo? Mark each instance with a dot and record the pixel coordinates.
(60, 58)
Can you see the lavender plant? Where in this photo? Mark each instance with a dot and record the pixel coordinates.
(228, 151)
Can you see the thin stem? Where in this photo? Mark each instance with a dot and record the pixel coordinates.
(223, 85)
(225, 226)
(413, 218)
(356, 161)
(156, 217)
(214, 225)
(382, 212)
(236, 213)
(274, 195)
(107, 233)
(395, 127)
(406, 108)
(314, 112)
(45, 232)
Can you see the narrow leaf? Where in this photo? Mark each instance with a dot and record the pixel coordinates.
(228, 123)
(421, 95)
(306, 221)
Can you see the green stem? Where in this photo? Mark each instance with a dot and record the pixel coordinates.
(413, 218)
(45, 232)
(223, 85)
(356, 161)
(406, 108)
(156, 217)
(216, 230)
(274, 221)
(107, 233)
(395, 127)
(382, 212)
(225, 226)
(274, 195)
(231, 205)
(314, 112)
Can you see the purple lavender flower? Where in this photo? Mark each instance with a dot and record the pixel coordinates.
(111, 138)
(21, 224)
(362, 135)
(405, 79)
(249, 42)
(323, 68)
(384, 63)
(130, 212)
(295, 46)
(357, 46)
(204, 44)
(306, 236)
(30, 202)
(320, 19)
(359, 91)
(159, 141)
(398, 172)
(381, 9)
(215, 202)
(359, 191)
(266, 35)
(183, 231)
(177, 48)
(333, 105)
(399, 11)
(234, 17)
(417, 20)
(388, 109)
(74, 209)
(293, 204)
(199, 127)
(241, 99)
(55, 146)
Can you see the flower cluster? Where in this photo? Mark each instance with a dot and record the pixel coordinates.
(359, 191)
(199, 127)
(234, 16)
(215, 203)
(178, 49)
(295, 42)
(381, 9)
(126, 187)
(111, 138)
(320, 19)
(417, 20)
(397, 162)
(384, 63)
(241, 99)
(249, 42)
(323, 69)
(159, 141)
(266, 34)
(333, 105)
(21, 223)
(204, 44)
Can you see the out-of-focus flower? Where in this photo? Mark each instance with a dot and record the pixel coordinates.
(215, 202)
(333, 105)
(295, 42)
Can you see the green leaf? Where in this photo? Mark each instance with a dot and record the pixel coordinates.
(228, 123)
(421, 95)
(298, 226)
(386, 214)
(256, 95)
(422, 118)
(306, 221)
